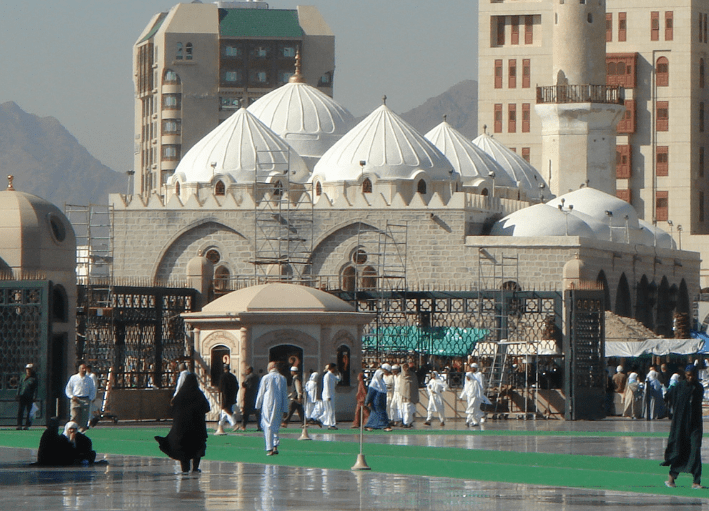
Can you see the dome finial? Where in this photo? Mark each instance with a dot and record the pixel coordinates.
(10, 188)
(445, 118)
(485, 129)
(384, 99)
(297, 77)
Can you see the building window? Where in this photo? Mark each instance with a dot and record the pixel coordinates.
(526, 117)
(622, 26)
(318, 189)
(661, 206)
(622, 161)
(514, 30)
(213, 256)
(178, 52)
(348, 277)
(219, 188)
(529, 29)
(701, 206)
(258, 77)
(221, 278)
(525, 154)
(512, 77)
(232, 78)
(171, 101)
(669, 25)
(620, 69)
(287, 51)
(500, 31)
(170, 77)
(526, 73)
(366, 186)
(663, 116)
(227, 103)
(177, 188)
(701, 117)
(663, 72)
(623, 195)
(498, 118)
(512, 118)
(701, 24)
(171, 152)
(325, 80)
(609, 27)
(284, 76)
(662, 160)
(233, 51)
(260, 51)
(627, 123)
(700, 167)
(188, 51)
(654, 26)
(701, 73)
(421, 187)
(498, 73)
(171, 126)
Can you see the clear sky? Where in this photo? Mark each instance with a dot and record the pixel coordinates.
(71, 59)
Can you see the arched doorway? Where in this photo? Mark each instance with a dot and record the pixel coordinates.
(288, 355)
(220, 356)
(603, 282)
(623, 305)
(664, 309)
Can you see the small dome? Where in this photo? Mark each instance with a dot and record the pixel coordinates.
(471, 162)
(241, 147)
(277, 297)
(542, 220)
(518, 169)
(34, 234)
(391, 148)
(305, 117)
(651, 236)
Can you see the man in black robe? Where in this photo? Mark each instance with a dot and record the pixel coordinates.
(684, 446)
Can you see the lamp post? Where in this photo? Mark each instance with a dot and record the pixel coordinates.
(679, 233)
(130, 174)
(672, 237)
(609, 214)
(491, 174)
(566, 213)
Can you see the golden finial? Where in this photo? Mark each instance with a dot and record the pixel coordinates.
(297, 77)
(10, 188)
(384, 99)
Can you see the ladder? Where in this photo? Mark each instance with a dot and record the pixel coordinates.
(499, 372)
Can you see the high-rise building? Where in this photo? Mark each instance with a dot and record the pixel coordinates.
(658, 53)
(197, 63)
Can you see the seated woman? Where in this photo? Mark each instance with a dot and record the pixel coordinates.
(54, 449)
(82, 446)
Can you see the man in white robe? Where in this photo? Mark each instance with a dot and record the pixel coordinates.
(474, 396)
(272, 400)
(394, 402)
(329, 383)
(477, 373)
(436, 387)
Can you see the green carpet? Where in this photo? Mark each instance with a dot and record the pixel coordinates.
(592, 472)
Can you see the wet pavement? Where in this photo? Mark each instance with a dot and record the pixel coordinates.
(156, 483)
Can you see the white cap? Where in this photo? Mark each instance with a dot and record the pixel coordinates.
(474, 365)
(619, 369)
(396, 367)
(294, 369)
(29, 366)
(386, 367)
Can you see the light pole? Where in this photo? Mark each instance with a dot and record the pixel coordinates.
(130, 174)
(609, 214)
(566, 213)
(679, 233)
(669, 222)
(491, 174)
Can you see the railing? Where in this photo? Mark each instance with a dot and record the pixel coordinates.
(557, 94)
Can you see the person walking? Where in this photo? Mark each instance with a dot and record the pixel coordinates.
(435, 387)
(26, 394)
(408, 395)
(361, 411)
(228, 388)
(377, 400)
(249, 390)
(272, 400)
(187, 439)
(474, 396)
(684, 445)
(328, 397)
(313, 406)
(295, 397)
(81, 391)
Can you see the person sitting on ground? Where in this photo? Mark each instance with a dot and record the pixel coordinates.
(54, 449)
(82, 446)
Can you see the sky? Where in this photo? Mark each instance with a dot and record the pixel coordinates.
(71, 59)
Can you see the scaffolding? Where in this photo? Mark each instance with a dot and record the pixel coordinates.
(283, 223)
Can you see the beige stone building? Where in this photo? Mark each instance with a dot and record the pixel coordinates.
(657, 52)
(196, 64)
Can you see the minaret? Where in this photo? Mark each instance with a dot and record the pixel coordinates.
(579, 113)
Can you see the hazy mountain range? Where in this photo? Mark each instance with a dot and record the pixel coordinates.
(48, 161)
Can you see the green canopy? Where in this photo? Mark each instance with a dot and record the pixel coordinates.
(442, 341)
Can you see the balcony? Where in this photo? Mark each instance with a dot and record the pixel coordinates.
(559, 94)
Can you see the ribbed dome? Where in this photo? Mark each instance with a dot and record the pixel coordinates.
(237, 148)
(471, 162)
(521, 172)
(308, 119)
(391, 148)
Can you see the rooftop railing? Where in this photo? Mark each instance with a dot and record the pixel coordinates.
(558, 94)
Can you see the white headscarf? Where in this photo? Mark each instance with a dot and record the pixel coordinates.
(69, 425)
(632, 377)
(619, 369)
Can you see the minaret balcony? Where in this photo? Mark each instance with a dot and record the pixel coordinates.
(603, 94)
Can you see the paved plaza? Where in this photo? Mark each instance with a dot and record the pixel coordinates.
(142, 482)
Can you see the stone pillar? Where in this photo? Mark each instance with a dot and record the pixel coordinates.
(200, 272)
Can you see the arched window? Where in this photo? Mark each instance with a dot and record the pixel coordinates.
(177, 188)
(701, 73)
(366, 186)
(219, 188)
(188, 51)
(221, 278)
(213, 255)
(170, 77)
(369, 278)
(663, 72)
(348, 279)
(318, 189)
(421, 187)
(178, 52)
(484, 192)
(344, 365)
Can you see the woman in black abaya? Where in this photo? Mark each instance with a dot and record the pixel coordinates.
(187, 439)
(684, 446)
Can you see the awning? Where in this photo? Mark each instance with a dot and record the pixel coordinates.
(441, 341)
(653, 347)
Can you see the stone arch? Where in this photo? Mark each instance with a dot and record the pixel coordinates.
(665, 307)
(644, 302)
(261, 348)
(332, 251)
(683, 303)
(623, 303)
(217, 338)
(219, 356)
(185, 244)
(602, 281)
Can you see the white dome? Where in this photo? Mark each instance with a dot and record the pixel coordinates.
(237, 148)
(654, 236)
(391, 148)
(518, 169)
(308, 119)
(471, 162)
(542, 220)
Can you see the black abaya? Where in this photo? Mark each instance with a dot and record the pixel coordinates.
(683, 452)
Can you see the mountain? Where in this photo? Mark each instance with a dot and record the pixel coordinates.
(49, 162)
(459, 104)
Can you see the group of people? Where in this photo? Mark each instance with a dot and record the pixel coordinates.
(68, 448)
(645, 397)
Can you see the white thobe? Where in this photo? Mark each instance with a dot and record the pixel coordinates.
(395, 408)
(474, 396)
(328, 399)
(435, 399)
(311, 397)
(272, 400)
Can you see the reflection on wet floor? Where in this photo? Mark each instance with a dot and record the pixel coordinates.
(155, 483)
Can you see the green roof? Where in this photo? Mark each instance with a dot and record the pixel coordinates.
(259, 23)
(442, 341)
(156, 27)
